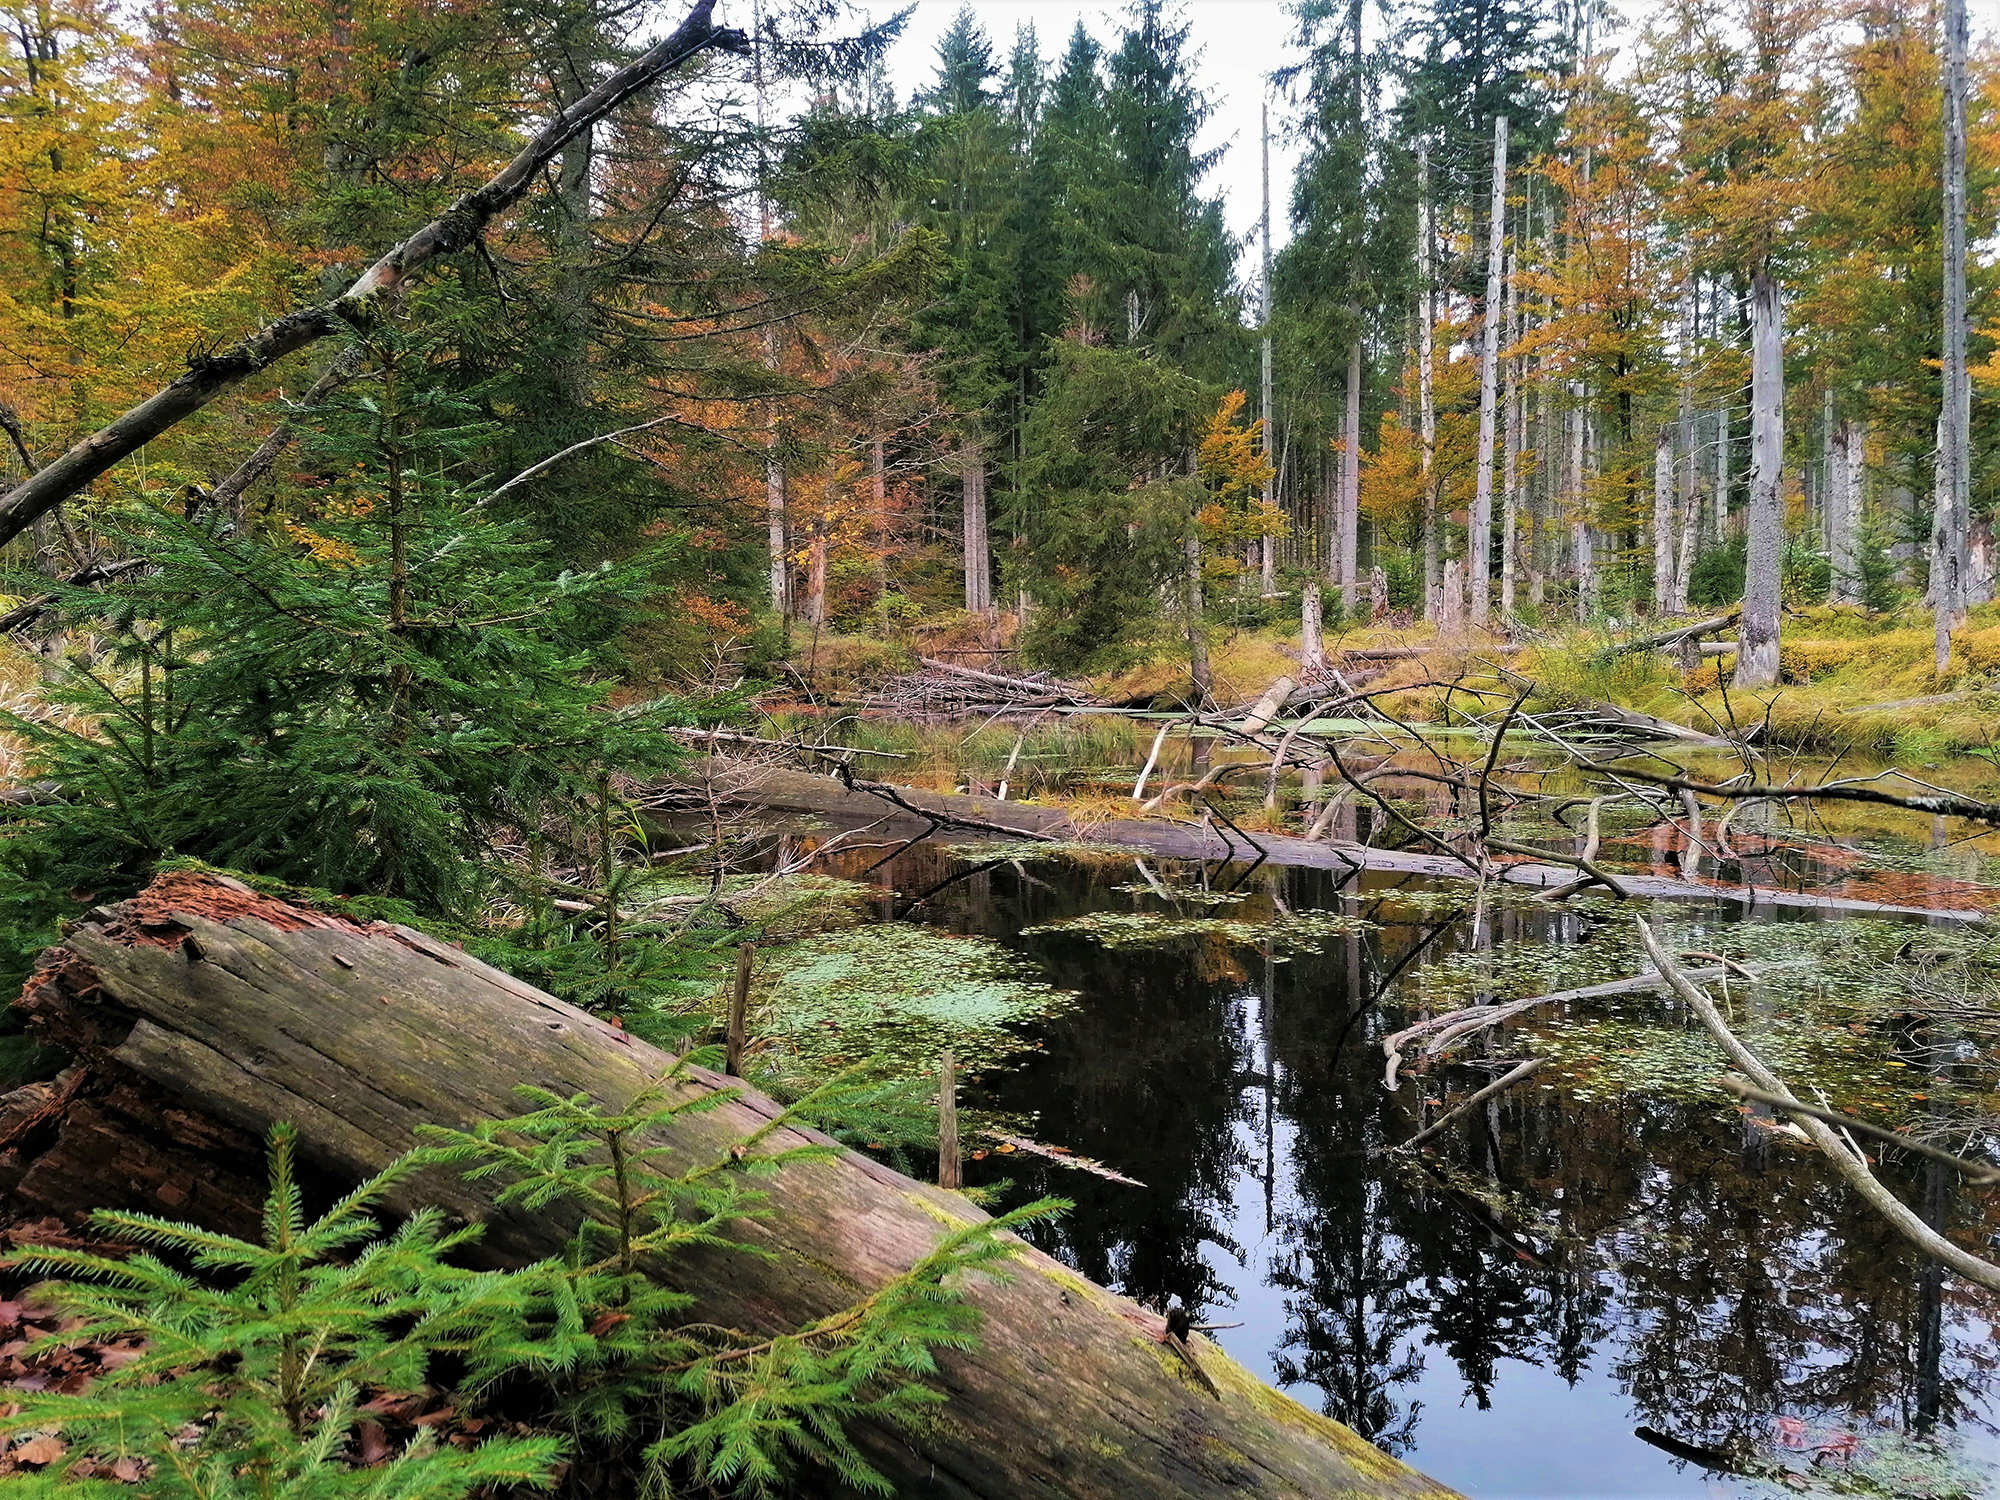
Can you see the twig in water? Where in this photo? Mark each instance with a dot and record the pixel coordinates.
(1972, 1171)
(1499, 1085)
(1843, 1161)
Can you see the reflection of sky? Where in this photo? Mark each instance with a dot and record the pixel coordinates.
(1540, 1438)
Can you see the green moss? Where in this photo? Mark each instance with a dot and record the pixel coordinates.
(1069, 1281)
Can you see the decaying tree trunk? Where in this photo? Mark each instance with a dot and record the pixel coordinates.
(1757, 660)
(217, 1011)
(1479, 533)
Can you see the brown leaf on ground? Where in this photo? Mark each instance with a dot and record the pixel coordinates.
(45, 1449)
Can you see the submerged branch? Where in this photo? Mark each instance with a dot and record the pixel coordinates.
(1845, 1161)
(1973, 1171)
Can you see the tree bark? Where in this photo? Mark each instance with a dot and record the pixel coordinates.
(1312, 645)
(978, 555)
(1688, 498)
(1426, 395)
(1515, 439)
(210, 375)
(1663, 520)
(227, 1012)
(1582, 556)
(1350, 483)
(1950, 542)
(1757, 655)
(776, 522)
(1479, 533)
(1850, 457)
(1721, 497)
(1266, 386)
(1197, 626)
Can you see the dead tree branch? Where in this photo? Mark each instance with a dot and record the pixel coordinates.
(1972, 1171)
(1845, 1161)
(1943, 804)
(1498, 1086)
(210, 375)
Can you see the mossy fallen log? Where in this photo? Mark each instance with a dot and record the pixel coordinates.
(209, 1012)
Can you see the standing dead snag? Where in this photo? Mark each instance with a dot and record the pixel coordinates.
(283, 1017)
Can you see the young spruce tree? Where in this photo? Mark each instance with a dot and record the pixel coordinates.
(365, 698)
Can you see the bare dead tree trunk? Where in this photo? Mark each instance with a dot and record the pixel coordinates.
(1582, 559)
(210, 375)
(816, 577)
(1516, 439)
(1951, 533)
(1844, 523)
(1721, 474)
(1350, 483)
(1479, 534)
(1757, 640)
(1663, 520)
(1265, 384)
(1312, 648)
(1426, 394)
(1688, 497)
(978, 554)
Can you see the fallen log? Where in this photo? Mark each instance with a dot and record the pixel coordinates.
(1266, 708)
(232, 1011)
(1674, 637)
(784, 790)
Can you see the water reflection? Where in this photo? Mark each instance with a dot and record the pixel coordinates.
(1567, 1273)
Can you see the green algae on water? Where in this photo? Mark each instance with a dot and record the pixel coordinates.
(897, 994)
(1294, 932)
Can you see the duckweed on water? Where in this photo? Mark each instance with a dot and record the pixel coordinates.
(1190, 895)
(897, 993)
(1031, 852)
(1295, 932)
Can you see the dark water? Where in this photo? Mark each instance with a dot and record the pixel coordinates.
(1705, 1285)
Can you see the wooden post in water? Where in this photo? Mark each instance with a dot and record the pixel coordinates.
(948, 1157)
(739, 1009)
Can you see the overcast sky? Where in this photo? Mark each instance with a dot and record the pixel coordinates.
(1238, 42)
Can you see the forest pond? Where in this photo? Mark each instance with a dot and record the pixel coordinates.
(1609, 1282)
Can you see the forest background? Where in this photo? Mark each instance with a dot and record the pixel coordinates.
(869, 362)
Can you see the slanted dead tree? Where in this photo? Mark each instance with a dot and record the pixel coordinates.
(210, 375)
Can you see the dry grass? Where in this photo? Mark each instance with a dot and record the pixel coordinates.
(20, 681)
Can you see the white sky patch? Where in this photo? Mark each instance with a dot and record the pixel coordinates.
(1238, 44)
